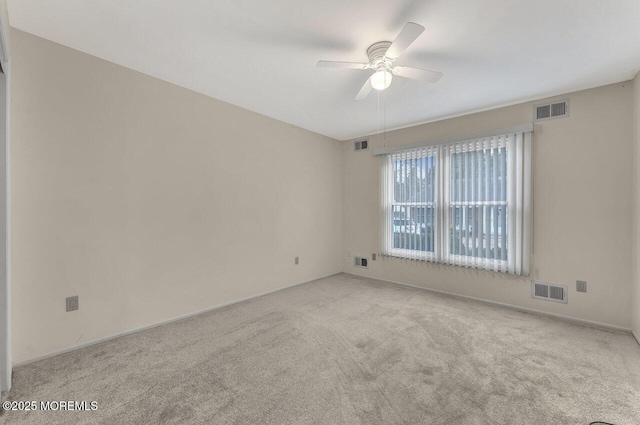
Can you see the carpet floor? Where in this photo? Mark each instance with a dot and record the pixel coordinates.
(345, 350)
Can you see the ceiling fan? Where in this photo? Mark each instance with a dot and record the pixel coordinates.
(382, 55)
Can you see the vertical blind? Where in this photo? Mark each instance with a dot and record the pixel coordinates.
(463, 203)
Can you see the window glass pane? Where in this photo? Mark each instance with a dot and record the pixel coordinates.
(479, 231)
(478, 176)
(414, 179)
(413, 227)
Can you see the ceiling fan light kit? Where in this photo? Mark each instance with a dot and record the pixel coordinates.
(381, 56)
(381, 80)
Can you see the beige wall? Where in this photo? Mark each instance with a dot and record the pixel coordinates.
(150, 201)
(582, 171)
(636, 209)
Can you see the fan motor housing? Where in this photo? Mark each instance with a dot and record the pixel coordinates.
(376, 52)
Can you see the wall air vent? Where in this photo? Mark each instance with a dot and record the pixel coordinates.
(551, 110)
(361, 262)
(549, 292)
(362, 145)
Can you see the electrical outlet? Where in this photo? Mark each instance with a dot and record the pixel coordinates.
(373, 257)
(581, 285)
(296, 261)
(72, 303)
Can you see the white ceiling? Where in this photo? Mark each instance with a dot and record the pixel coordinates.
(261, 55)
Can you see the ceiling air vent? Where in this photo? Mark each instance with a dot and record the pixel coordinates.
(551, 110)
(362, 145)
(549, 292)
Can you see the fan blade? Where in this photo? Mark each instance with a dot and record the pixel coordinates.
(417, 74)
(345, 65)
(365, 90)
(407, 36)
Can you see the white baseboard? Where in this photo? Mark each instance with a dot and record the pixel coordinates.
(163, 322)
(583, 322)
(635, 335)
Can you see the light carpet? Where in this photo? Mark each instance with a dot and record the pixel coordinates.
(346, 350)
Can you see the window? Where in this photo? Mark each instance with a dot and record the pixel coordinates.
(462, 203)
(478, 205)
(413, 202)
